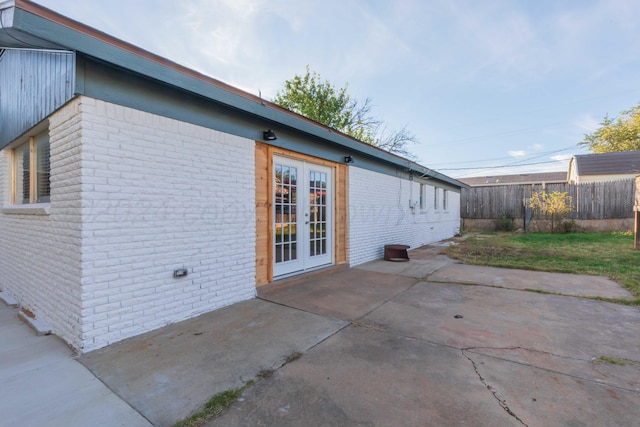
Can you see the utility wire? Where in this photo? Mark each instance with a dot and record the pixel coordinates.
(499, 167)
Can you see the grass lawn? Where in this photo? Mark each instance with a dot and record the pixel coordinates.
(602, 254)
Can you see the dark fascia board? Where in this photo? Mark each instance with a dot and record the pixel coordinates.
(57, 30)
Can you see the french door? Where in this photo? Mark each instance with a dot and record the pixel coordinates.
(303, 220)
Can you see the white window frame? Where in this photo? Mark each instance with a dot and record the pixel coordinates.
(445, 199)
(436, 198)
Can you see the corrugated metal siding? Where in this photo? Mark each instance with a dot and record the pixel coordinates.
(33, 84)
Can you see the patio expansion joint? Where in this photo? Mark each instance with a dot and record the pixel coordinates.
(531, 290)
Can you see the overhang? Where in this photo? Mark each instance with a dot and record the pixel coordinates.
(27, 25)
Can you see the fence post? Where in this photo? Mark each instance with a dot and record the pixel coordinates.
(636, 228)
(636, 216)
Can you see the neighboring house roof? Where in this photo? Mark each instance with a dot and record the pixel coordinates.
(531, 178)
(618, 163)
(27, 25)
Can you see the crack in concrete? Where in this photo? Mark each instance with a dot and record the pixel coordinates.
(577, 377)
(494, 392)
(533, 350)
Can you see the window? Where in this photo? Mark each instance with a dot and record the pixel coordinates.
(31, 169)
(422, 194)
(436, 198)
(445, 195)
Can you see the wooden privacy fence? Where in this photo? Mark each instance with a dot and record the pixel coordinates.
(598, 200)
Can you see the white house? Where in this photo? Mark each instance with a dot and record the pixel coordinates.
(135, 192)
(603, 167)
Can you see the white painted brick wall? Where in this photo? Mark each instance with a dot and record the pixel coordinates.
(379, 214)
(134, 197)
(160, 195)
(40, 255)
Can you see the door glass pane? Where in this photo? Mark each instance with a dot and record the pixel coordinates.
(317, 213)
(285, 184)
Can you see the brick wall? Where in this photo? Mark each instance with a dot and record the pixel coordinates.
(40, 254)
(157, 195)
(380, 214)
(161, 195)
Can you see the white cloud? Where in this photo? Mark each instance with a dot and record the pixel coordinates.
(586, 123)
(517, 153)
(561, 157)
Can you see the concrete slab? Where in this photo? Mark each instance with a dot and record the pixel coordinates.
(39, 326)
(568, 284)
(170, 373)
(41, 383)
(418, 268)
(625, 377)
(542, 398)
(8, 299)
(495, 318)
(347, 294)
(363, 377)
(514, 358)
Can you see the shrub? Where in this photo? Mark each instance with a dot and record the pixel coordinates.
(554, 206)
(568, 226)
(505, 222)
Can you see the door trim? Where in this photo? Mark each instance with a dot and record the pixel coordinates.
(303, 225)
(264, 154)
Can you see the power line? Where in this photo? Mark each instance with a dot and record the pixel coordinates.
(499, 167)
(503, 158)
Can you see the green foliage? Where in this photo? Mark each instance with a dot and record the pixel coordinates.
(554, 206)
(568, 226)
(611, 360)
(616, 134)
(505, 222)
(321, 101)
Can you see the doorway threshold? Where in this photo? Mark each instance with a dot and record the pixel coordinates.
(302, 277)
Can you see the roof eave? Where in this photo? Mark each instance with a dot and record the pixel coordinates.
(47, 29)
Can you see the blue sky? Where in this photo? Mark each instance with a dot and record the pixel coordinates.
(480, 83)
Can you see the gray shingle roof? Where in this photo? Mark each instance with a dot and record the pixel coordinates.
(624, 162)
(530, 178)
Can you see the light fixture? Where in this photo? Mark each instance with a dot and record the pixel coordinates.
(269, 135)
(348, 159)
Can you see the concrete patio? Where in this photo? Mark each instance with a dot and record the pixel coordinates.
(424, 342)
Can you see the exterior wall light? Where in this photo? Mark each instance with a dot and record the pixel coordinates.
(348, 159)
(269, 135)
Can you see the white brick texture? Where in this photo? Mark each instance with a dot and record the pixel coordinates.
(40, 255)
(380, 214)
(145, 196)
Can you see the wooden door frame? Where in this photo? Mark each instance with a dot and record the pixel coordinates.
(264, 154)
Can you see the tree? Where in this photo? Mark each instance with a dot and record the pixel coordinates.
(320, 101)
(554, 205)
(621, 134)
